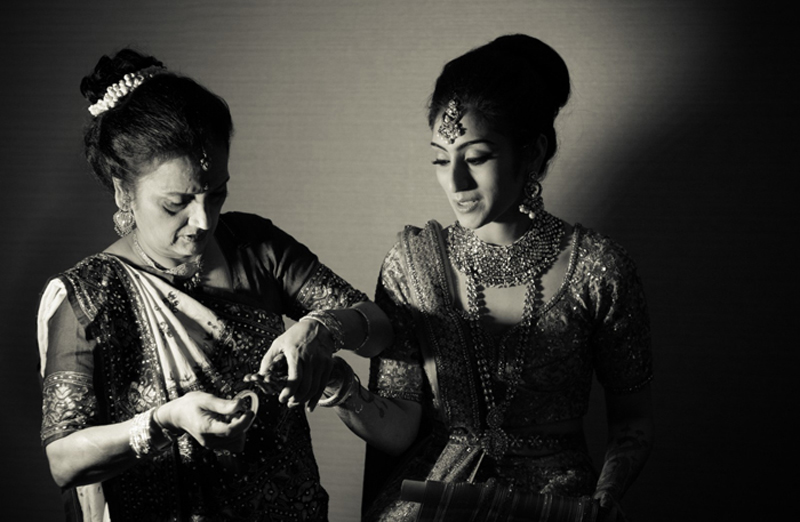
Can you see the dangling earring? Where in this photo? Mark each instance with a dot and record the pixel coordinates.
(533, 203)
(124, 222)
(204, 163)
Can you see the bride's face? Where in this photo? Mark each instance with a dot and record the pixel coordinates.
(481, 174)
(177, 205)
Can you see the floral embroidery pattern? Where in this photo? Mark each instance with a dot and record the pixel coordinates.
(69, 404)
(275, 477)
(325, 290)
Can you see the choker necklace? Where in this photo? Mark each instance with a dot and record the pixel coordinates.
(187, 274)
(512, 265)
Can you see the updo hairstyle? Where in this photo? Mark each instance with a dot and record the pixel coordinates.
(165, 117)
(515, 84)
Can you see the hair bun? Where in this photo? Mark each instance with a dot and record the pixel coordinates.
(109, 71)
(545, 64)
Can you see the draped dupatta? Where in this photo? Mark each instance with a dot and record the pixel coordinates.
(446, 348)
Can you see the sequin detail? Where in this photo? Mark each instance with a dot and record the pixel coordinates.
(275, 477)
(596, 322)
(325, 290)
(69, 404)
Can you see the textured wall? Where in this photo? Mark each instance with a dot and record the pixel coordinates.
(678, 142)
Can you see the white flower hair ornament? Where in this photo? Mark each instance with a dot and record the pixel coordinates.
(122, 88)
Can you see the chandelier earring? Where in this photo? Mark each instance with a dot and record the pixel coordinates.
(124, 222)
(533, 203)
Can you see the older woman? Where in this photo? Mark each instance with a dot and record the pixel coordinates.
(145, 346)
(502, 318)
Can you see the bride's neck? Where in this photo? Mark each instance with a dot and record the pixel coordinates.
(503, 232)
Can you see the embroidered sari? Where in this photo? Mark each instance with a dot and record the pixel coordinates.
(596, 323)
(116, 340)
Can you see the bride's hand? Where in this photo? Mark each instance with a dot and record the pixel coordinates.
(610, 510)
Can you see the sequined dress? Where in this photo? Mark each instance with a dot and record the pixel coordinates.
(595, 323)
(102, 366)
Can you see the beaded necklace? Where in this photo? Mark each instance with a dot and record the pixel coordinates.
(487, 265)
(188, 274)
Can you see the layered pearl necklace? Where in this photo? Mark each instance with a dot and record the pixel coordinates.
(487, 265)
(188, 274)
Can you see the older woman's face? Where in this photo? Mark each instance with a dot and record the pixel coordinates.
(177, 206)
(480, 173)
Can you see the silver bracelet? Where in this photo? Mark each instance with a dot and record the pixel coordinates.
(331, 323)
(168, 435)
(344, 391)
(367, 327)
(357, 391)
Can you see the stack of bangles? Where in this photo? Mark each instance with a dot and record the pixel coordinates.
(334, 326)
(348, 384)
(141, 438)
(331, 323)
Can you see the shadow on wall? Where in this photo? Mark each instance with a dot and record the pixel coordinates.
(52, 239)
(708, 218)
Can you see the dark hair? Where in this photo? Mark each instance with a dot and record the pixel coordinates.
(167, 116)
(516, 84)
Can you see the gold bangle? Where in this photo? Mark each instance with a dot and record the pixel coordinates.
(344, 391)
(169, 435)
(367, 327)
(331, 323)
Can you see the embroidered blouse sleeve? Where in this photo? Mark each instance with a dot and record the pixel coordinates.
(69, 402)
(397, 372)
(326, 290)
(623, 355)
(306, 283)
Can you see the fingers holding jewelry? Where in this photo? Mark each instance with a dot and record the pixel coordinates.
(212, 421)
(306, 347)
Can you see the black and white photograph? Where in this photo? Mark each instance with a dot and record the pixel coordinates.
(398, 261)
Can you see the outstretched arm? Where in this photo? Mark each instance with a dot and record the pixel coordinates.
(302, 356)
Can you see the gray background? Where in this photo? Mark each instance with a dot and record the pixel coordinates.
(679, 142)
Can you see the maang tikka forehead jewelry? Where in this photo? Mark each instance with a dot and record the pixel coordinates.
(451, 127)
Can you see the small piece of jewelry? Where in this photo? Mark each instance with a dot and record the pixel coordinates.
(124, 222)
(204, 163)
(451, 127)
(188, 274)
(122, 88)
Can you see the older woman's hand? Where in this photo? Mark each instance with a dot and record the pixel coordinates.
(214, 422)
(306, 350)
